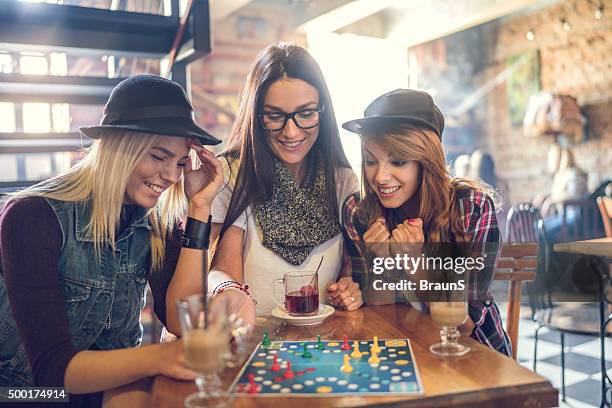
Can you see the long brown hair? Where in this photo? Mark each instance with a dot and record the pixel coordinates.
(248, 141)
(437, 190)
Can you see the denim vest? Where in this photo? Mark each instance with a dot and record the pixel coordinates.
(103, 298)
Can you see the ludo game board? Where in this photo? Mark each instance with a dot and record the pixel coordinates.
(330, 368)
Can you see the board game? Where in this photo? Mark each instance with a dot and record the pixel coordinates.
(330, 368)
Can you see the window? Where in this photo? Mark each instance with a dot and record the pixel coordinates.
(60, 116)
(36, 117)
(7, 117)
(6, 63)
(58, 63)
(33, 63)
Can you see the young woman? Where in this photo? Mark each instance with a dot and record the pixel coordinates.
(409, 196)
(285, 175)
(77, 250)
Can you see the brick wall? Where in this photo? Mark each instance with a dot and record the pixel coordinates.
(218, 78)
(579, 63)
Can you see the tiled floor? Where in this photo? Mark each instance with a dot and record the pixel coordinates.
(582, 364)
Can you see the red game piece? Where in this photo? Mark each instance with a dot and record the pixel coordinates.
(252, 386)
(288, 373)
(345, 345)
(275, 366)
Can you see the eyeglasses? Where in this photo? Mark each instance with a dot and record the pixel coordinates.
(303, 118)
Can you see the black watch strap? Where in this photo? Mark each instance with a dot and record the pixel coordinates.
(197, 234)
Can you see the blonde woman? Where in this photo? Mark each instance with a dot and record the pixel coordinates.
(409, 197)
(77, 250)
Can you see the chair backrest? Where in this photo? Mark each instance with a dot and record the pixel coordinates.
(605, 209)
(581, 219)
(521, 223)
(517, 264)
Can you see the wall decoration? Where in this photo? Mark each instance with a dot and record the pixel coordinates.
(523, 82)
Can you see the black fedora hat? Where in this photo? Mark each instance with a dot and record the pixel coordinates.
(400, 106)
(150, 104)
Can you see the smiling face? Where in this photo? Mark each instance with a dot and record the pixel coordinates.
(292, 144)
(159, 168)
(393, 179)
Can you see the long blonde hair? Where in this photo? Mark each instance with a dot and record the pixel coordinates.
(101, 177)
(437, 190)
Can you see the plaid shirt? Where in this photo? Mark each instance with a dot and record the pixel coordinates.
(479, 220)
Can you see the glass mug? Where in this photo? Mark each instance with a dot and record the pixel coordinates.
(207, 349)
(300, 293)
(449, 315)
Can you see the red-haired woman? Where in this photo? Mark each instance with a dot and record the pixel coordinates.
(409, 196)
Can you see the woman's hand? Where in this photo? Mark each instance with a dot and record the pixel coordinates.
(241, 305)
(377, 238)
(345, 293)
(171, 361)
(203, 183)
(408, 238)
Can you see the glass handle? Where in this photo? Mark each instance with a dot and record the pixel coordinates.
(279, 297)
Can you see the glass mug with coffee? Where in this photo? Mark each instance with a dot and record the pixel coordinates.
(298, 293)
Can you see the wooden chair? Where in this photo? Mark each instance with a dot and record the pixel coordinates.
(605, 208)
(517, 264)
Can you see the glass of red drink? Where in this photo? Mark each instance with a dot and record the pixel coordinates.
(298, 293)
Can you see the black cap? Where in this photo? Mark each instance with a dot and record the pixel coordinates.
(399, 106)
(150, 104)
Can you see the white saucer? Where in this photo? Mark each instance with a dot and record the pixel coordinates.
(324, 312)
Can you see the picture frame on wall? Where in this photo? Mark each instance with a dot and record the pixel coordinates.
(522, 83)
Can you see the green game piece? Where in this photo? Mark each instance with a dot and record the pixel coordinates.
(320, 345)
(306, 353)
(266, 339)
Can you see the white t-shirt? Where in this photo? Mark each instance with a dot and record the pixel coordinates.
(261, 266)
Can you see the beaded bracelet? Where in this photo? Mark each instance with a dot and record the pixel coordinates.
(233, 285)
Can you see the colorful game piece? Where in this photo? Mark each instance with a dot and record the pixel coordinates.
(252, 386)
(266, 339)
(288, 373)
(275, 366)
(345, 344)
(346, 366)
(375, 347)
(374, 357)
(306, 353)
(320, 345)
(356, 353)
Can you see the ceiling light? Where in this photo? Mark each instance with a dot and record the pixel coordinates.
(599, 13)
(567, 27)
(530, 35)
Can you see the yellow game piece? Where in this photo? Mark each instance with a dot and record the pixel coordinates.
(346, 367)
(324, 389)
(356, 353)
(374, 358)
(375, 347)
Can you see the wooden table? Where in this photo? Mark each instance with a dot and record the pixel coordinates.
(596, 247)
(482, 378)
(600, 247)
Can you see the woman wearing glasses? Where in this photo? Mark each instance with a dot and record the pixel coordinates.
(285, 177)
